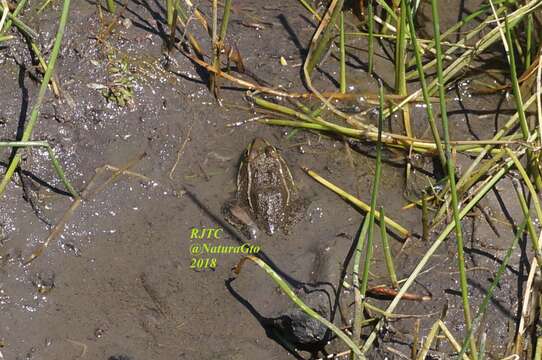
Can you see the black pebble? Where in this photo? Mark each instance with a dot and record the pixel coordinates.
(120, 357)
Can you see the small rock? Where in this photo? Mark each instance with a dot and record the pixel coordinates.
(298, 328)
(120, 357)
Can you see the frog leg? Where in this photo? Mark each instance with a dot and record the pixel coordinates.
(249, 184)
(245, 167)
(286, 181)
(239, 172)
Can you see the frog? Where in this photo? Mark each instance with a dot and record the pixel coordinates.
(267, 197)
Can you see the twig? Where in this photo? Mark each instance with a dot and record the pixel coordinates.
(85, 194)
(357, 202)
(180, 153)
(82, 345)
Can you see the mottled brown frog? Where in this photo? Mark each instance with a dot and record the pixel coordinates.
(267, 197)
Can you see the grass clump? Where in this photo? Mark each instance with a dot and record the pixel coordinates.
(492, 158)
(423, 69)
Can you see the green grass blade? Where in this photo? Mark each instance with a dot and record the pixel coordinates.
(111, 6)
(515, 83)
(358, 309)
(388, 257)
(323, 36)
(436, 244)
(27, 133)
(307, 6)
(169, 12)
(342, 69)
(23, 28)
(400, 63)
(529, 45)
(374, 196)
(528, 183)
(15, 13)
(453, 30)
(530, 226)
(450, 167)
(425, 91)
(370, 45)
(225, 22)
(307, 310)
(489, 294)
(54, 161)
(485, 42)
(368, 226)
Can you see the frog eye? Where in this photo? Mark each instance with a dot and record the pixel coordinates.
(250, 155)
(270, 150)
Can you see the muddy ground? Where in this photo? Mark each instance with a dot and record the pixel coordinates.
(118, 282)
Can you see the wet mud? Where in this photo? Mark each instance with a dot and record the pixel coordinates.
(120, 282)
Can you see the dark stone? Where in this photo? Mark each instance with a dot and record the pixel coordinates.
(298, 328)
(120, 357)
